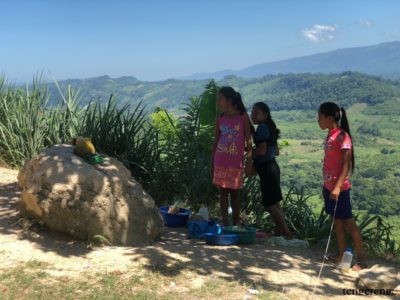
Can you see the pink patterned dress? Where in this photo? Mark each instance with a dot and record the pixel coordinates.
(229, 154)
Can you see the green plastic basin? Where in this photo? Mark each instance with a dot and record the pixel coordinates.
(247, 235)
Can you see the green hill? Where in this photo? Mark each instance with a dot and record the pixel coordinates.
(289, 91)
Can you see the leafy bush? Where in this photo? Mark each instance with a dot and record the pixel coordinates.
(377, 235)
(183, 171)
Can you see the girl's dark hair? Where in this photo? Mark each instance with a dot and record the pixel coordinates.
(265, 109)
(234, 97)
(330, 109)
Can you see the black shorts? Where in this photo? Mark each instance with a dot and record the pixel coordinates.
(343, 210)
(270, 182)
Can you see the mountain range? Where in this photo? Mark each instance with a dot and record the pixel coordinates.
(382, 60)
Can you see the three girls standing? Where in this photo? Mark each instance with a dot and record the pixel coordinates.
(233, 136)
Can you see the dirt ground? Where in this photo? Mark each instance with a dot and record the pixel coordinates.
(289, 271)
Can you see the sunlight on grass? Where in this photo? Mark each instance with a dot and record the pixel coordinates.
(32, 281)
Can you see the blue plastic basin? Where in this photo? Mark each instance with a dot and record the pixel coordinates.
(175, 220)
(221, 239)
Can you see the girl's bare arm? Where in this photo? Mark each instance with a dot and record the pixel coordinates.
(248, 138)
(216, 139)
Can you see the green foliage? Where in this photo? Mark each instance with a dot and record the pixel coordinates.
(124, 133)
(208, 106)
(164, 123)
(368, 128)
(27, 124)
(389, 107)
(98, 239)
(183, 171)
(377, 234)
(301, 218)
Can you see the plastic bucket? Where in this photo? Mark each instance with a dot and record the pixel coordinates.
(175, 220)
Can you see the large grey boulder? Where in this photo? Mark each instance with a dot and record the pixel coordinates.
(83, 200)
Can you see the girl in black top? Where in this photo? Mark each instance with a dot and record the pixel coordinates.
(266, 141)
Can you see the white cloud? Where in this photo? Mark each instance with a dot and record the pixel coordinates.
(319, 33)
(366, 23)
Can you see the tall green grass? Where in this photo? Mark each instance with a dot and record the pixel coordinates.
(125, 133)
(28, 124)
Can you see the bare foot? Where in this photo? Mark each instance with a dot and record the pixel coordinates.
(360, 266)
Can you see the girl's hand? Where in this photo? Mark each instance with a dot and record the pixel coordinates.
(335, 194)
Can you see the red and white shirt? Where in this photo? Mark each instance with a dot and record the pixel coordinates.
(336, 141)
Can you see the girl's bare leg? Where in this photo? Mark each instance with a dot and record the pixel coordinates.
(224, 203)
(279, 220)
(235, 203)
(340, 237)
(357, 239)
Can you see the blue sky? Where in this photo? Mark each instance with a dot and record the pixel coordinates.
(155, 40)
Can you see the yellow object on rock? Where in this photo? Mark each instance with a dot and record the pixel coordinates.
(83, 146)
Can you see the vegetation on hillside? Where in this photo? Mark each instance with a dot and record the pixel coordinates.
(283, 91)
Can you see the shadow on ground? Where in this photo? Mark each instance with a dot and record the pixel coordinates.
(11, 223)
(286, 270)
(258, 265)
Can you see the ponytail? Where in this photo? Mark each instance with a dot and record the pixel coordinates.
(237, 102)
(234, 98)
(344, 124)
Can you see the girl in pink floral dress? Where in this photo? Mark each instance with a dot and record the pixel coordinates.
(232, 137)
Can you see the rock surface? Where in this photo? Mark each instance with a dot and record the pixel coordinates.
(72, 196)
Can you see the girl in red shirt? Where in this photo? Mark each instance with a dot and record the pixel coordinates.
(338, 162)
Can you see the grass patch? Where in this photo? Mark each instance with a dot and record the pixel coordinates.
(32, 281)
